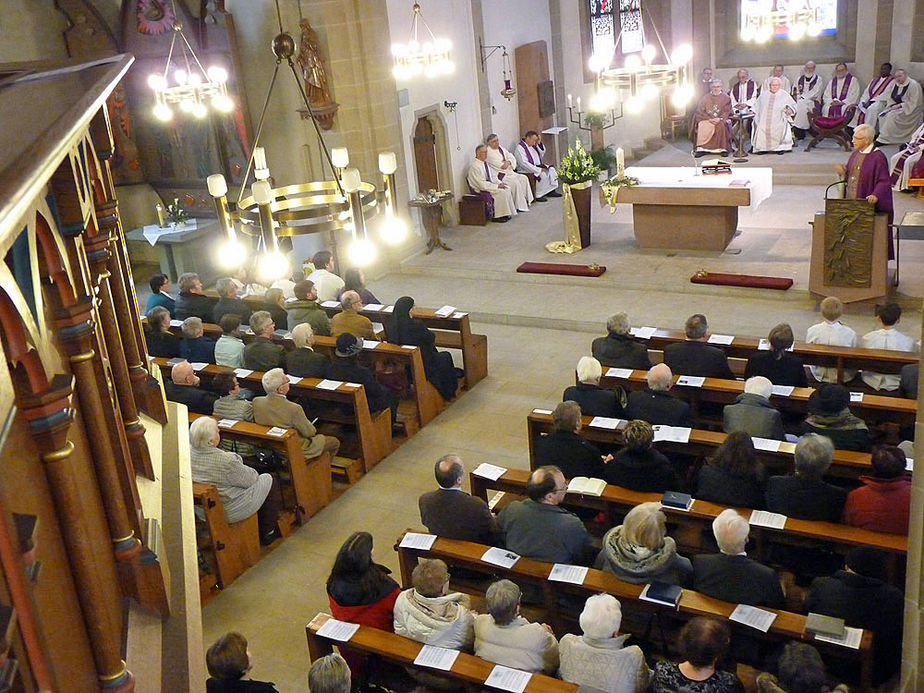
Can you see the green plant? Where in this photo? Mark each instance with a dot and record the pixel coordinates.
(175, 213)
(604, 157)
(577, 165)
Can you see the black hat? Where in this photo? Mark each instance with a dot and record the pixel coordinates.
(829, 399)
(348, 345)
(866, 561)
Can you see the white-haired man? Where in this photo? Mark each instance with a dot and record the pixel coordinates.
(503, 165)
(743, 93)
(618, 349)
(731, 575)
(303, 360)
(655, 404)
(753, 413)
(773, 121)
(481, 179)
(275, 410)
(349, 318)
(867, 174)
(809, 89)
(903, 111)
(263, 353)
(329, 674)
(711, 124)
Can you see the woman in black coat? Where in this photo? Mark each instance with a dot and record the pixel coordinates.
(438, 366)
(778, 365)
(734, 475)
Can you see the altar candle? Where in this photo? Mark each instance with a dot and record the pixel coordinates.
(620, 160)
(161, 220)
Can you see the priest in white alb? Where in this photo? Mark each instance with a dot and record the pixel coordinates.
(809, 88)
(841, 93)
(785, 84)
(481, 178)
(528, 153)
(743, 93)
(875, 96)
(503, 165)
(773, 122)
(902, 163)
(903, 112)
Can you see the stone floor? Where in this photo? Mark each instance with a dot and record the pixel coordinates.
(537, 328)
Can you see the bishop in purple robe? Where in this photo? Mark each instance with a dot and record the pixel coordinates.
(867, 173)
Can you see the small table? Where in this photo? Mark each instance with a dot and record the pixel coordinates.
(188, 250)
(432, 214)
(741, 119)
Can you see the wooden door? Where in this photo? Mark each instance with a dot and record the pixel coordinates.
(425, 156)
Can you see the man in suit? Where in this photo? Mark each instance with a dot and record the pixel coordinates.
(276, 410)
(731, 575)
(753, 413)
(656, 405)
(192, 302)
(451, 512)
(564, 447)
(693, 356)
(303, 360)
(183, 387)
(349, 320)
(805, 495)
(262, 354)
(618, 349)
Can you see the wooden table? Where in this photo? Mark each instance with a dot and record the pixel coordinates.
(432, 214)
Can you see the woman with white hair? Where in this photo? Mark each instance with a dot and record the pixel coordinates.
(593, 399)
(600, 658)
(639, 550)
(243, 492)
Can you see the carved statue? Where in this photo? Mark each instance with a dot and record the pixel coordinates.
(309, 59)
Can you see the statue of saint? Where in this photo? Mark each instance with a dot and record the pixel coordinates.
(312, 66)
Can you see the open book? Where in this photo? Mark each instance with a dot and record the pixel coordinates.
(587, 486)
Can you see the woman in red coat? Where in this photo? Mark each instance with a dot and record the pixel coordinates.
(883, 503)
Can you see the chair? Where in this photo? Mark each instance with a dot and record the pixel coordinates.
(826, 126)
(472, 211)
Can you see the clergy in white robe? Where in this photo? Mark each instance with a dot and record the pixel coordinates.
(842, 92)
(785, 84)
(902, 163)
(503, 165)
(904, 112)
(743, 93)
(809, 88)
(481, 177)
(772, 124)
(875, 96)
(528, 153)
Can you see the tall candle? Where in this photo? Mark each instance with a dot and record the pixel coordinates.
(620, 161)
(161, 219)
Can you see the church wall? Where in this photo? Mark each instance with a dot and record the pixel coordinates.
(31, 30)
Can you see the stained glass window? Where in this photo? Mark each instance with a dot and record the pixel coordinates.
(604, 28)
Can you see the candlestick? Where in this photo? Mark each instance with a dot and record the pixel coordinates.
(161, 220)
(569, 101)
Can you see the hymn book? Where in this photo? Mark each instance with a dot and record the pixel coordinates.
(587, 486)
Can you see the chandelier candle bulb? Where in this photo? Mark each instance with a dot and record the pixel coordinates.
(388, 162)
(259, 157)
(350, 180)
(569, 101)
(262, 193)
(340, 157)
(217, 185)
(579, 103)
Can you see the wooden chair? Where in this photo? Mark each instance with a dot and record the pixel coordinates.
(236, 546)
(835, 128)
(472, 211)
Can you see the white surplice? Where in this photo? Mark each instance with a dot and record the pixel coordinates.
(874, 99)
(903, 113)
(811, 89)
(902, 163)
(481, 177)
(772, 131)
(785, 84)
(517, 182)
(848, 96)
(546, 178)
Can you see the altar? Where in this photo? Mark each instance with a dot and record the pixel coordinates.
(678, 208)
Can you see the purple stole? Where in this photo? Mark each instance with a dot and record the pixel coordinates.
(912, 148)
(487, 171)
(526, 150)
(804, 82)
(835, 109)
(736, 90)
(500, 176)
(881, 84)
(896, 96)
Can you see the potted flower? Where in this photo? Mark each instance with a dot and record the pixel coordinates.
(577, 171)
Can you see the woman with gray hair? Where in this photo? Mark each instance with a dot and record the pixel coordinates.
(194, 347)
(639, 550)
(504, 637)
(593, 399)
(157, 335)
(600, 658)
(243, 492)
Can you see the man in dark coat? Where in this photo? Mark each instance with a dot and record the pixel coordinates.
(345, 367)
(805, 495)
(262, 354)
(753, 413)
(303, 360)
(618, 349)
(183, 387)
(694, 356)
(192, 302)
(565, 448)
(656, 405)
(228, 302)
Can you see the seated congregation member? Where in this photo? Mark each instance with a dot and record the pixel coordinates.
(329, 674)
(504, 637)
(229, 349)
(752, 412)
(183, 387)
(638, 466)
(832, 332)
(886, 337)
(263, 354)
(908, 381)
(775, 110)
(564, 446)
(529, 152)
(328, 284)
(305, 308)
(830, 416)
(274, 302)
(481, 179)
(903, 111)
(858, 595)
(883, 502)
(275, 410)
(694, 356)
(303, 360)
(655, 404)
(593, 399)
(229, 662)
(158, 338)
(599, 658)
(192, 301)
(809, 90)
(710, 127)
(539, 528)
(734, 475)
(359, 590)
(160, 294)
(805, 495)
(799, 670)
(228, 301)
(194, 347)
(843, 92)
(903, 163)
(618, 349)
(639, 550)
(243, 492)
(703, 643)
(503, 165)
(438, 366)
(731, 575)
(778, 365)
(349, 320)
(451, 512)
(429, 613)
(344, 366)
(231, 404)
(355, 280)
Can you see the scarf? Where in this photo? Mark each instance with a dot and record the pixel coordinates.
(526, 150)
(843, 420)
(636, 560)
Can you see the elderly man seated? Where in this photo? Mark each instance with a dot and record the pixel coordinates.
(429, 613)
(753, 413)
(593, 399)
(618, 349)
(902, 114)
(303, 360)
(694, 356)
(529, 152)
(263, 353)
(809, 89)
(743, 93)
(183, 387)
(711, 125)
(574, 455)
(731, 575)
(906, 163)
(349, 319)
(843, 92)
(503, 165)
(450, 512)
(775, 110)
(228, 301)
(482, 180)
(805, 495)
(195, 347)
(655, 404)
(192, 300)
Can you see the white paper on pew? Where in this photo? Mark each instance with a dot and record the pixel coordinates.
(909, 464)
(226, 423)
(766, 444)
(277, 431)
(457, 316)
(787, 447)
(330, 304)
(621, 373)
(643, 332)
(198, 365)
(370, 343)
(352, 385)
(373, 306)
(691, 380)
(765, 518)
(338, 630)
(489, 471)
(436, 657)
(411, 347)
(417, 540)
(856, 396)
(763, 345)
(563, 572)
(508, 679)
(176, 323)
(542, 411)
(851, 638)
(674, 434)
(388, 309)
(246, 329)
(721, 339)
(329, 384)
(753, 617)
(242, 372)
(294, 379)
(445, 311)
(605, 422)
(378, 327)
(782, 390)
(287, 335)
(501, 557)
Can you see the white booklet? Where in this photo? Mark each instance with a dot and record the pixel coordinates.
(721, 339)
(330, 304)
(501, 557)
(436, 657)
(782, 390)
(294, 379)
(643, 332)
(765, 518)
(851, 638)
(370, 343)
(856, 396)
(373, 306)
(417, 540)
(621, 373)
(489, 471)
(691, 380)
(674, 434)
(198, 365)
(766, 444)
(176, 323)
(329, 384)
(753, 617)
(445, 311)
(338, 630)
(605, 422)
(242, 372)
(587, 486)
(542, 411)
(508, 679)
(562, 572)
(277, 431)
(226, 423)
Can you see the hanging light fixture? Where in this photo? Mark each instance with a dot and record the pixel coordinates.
(190, 86)
(508, 92)
(431, 58)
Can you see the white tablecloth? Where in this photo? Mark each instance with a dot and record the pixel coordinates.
(760, 180)
(152, 232)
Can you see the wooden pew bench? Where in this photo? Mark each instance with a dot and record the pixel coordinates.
(467, 555)
(235, 546)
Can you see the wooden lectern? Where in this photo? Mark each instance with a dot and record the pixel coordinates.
(850, 257)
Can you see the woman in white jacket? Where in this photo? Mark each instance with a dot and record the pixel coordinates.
(430, 613)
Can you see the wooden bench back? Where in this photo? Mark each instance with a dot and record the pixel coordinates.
(236, 546)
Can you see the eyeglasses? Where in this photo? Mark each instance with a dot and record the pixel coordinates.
(559, 489)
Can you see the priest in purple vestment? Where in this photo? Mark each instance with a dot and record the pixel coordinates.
(867, 174)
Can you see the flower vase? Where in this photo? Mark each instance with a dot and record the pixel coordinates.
(581, 197)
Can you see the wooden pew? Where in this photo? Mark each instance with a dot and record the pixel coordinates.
(467, 668)
(848, 464)
(311, 480)
(236, 546)
(786, 626)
